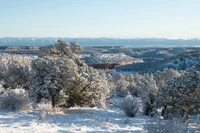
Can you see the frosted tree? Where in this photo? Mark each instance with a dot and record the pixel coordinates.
(152, 83)
(75, 47)
(120, 85)
(181, 95)
(146, 88)
(60, 77)
(122, 88)
(17, 75)
(162, 77)
(141, 84)
(14, 70)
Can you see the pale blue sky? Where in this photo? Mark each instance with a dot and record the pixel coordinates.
(100, 18)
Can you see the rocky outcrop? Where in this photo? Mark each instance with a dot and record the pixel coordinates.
(103, 66)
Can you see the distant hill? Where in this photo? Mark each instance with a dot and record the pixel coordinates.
(159, 58)
(135, 42)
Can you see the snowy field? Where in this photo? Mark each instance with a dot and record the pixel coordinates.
(78, 120)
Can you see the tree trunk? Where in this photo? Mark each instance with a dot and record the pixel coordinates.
(53, 101)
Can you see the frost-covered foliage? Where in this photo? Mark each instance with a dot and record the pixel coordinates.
(135, 84)
(181, 95)
(75, 47)
(14, 69)
(184, 62)
(157, 81)
(17, 75)
(120, 85)
(129, 106)
(141, 84)
(17, 100)
(145, 86)
(149, 103)
(60, 77)
(162, 77)
(121, 88)
(44, 108)
(59, 49)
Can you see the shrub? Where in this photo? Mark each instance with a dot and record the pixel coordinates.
(17, 100)
(138, 85)
(147, 85)
(129, 106)
(44, 108)
(118, 84)
(162, 77)
(14, 70)
(134, 91)
(121, 88)
(181, 95)
(149, 103)
(142, 84)
(17, 75)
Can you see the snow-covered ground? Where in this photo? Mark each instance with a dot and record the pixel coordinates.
(111, 58)
(78, 120)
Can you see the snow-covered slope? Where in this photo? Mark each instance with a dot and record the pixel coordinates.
(110, 58)
(76, 120)
(184, 61)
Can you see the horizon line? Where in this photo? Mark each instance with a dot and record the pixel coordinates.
(169, 38)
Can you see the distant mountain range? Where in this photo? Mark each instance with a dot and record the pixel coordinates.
(135, 42)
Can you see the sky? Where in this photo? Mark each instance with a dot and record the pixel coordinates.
(100, 18)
